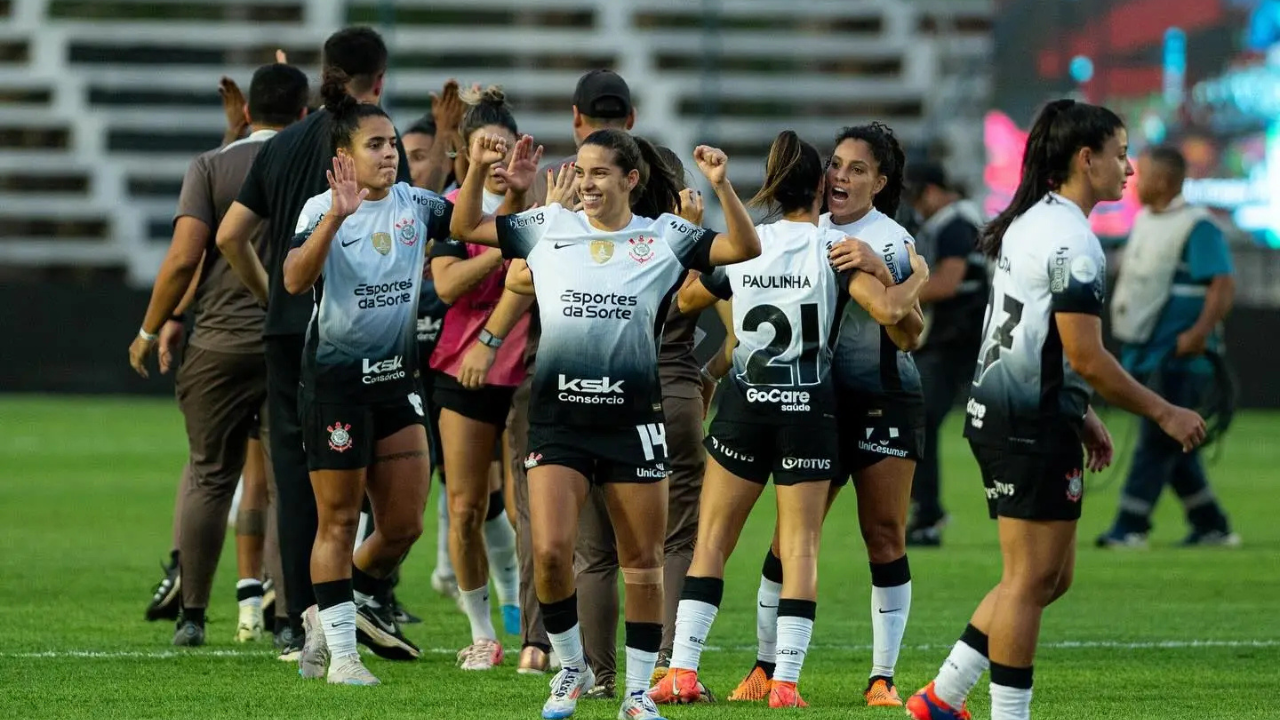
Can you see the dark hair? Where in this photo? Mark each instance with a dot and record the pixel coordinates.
(425, 125)
(1060, 130)
(359, 53)
(659, 187)
(487, 107)
(277, 94)
(346, 110)
(792, 175)
(645, 206)
(1171, 158)
(891, 161)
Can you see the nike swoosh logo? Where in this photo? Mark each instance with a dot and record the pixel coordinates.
(346, 243)
(768, 607)
(883, 611)
(561, 246)
(341, 625)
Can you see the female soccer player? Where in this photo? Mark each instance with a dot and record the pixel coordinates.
(359, 248)
(470, 278)
(1028, 411)
(879, 405)
(602, 275)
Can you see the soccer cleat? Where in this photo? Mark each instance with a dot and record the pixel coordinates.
(677, 687)
(446, 585)
(925, 705)
(480, 655)
(188, 634)
(922, 534)
(1115, 539)
(880, 692)
(315, 650)
(377, 630)
(753, 688)
(533, 661)
(511, 619)
(638, 706)
(602, 691)
(785, 695)
(249, 628)
(349, 670)
(1210, 538)
(288, 643)
(566, 687)
(661, 669)
(165, 599)
(401, 613)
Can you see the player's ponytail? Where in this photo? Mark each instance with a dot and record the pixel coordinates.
(793, 176)
(346, 111)
(1060, 130)
(645, 207)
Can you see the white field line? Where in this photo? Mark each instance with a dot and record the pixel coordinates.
(257, 653)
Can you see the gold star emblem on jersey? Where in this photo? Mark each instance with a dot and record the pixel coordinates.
(601, 251)
(382, 242)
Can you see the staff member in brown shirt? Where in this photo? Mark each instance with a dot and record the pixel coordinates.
(221, 383)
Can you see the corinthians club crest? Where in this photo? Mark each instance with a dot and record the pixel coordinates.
(407, 231)
(1075, 485)
(601, 251)
(339, 437)
(382, 242)
(641, 248)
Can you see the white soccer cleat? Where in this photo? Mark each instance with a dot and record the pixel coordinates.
(350, 670)
(480, 655)
(249, 628)
(566, 687)
(639, 706)
(315, 650)
(446, 585)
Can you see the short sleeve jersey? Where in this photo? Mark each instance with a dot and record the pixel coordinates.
(362, 341)
(602, 299)
(866, 361)
(1025, 394)
(784, 304)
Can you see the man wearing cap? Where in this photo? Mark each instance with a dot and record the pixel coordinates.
(602, 101)
(954, 301)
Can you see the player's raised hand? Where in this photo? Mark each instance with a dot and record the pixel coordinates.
(281, 57)
(522, 165)
(712, 162)
(562, 187)
(346, 191)
(447, 107)
(487, 149)
(691, 206)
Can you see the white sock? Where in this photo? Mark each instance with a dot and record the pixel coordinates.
(640, 666)
(500, 543)
(767, 619)
(794, 633)
(959, 674)
(256, 600)
(889, 609)
(693, 624)
(568, 647)
(444, 565)
(1008, 703)
(476, 604)
(339, 623)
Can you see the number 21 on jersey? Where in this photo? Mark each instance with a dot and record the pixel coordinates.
(763, 365)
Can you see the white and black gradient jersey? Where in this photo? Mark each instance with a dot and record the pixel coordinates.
(784, 306)
(602, 301)
(1025, 394)
(866, 361)
(362, 339)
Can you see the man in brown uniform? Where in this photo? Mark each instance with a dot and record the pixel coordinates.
(221, 384)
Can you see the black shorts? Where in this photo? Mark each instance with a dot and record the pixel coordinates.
(342, 436)
(793, 453)
(490, 404)
(874, 427)
(628, 454)
(1032, 485)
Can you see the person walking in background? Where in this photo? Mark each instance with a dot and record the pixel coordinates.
(954, 302)
(1174, 289)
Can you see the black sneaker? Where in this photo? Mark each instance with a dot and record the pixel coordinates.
(188, 634)
(288, 643)
(165, 599)
(401, 614)
(922, 534)
(376, 629)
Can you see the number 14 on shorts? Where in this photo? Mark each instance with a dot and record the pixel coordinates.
(651, 436)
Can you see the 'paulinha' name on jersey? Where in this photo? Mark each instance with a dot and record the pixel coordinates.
(784, 302)
(1025, 393)
(362, 339)
(602, 300)
(866, 361)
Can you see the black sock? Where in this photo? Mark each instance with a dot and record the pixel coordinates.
(334, 592)
(703, 589)
(767, 667)
(195, 615)
(891, 574)
(496, 505)
(366, 584)
(248, 591)
(644, 636)
(976, 639)
(1013, 677)
(772, 569)
(560, 616)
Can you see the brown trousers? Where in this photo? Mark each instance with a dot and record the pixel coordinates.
(596, 558)
(218, 393)
(531, 629)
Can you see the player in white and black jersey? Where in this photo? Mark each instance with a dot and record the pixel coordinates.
(1028, 411)
(603, 278)
(360, 248)
(776, 417)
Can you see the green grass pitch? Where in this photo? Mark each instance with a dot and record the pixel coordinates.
(87, 486)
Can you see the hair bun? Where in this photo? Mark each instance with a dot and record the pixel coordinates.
(333, 88)
(492, 95)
